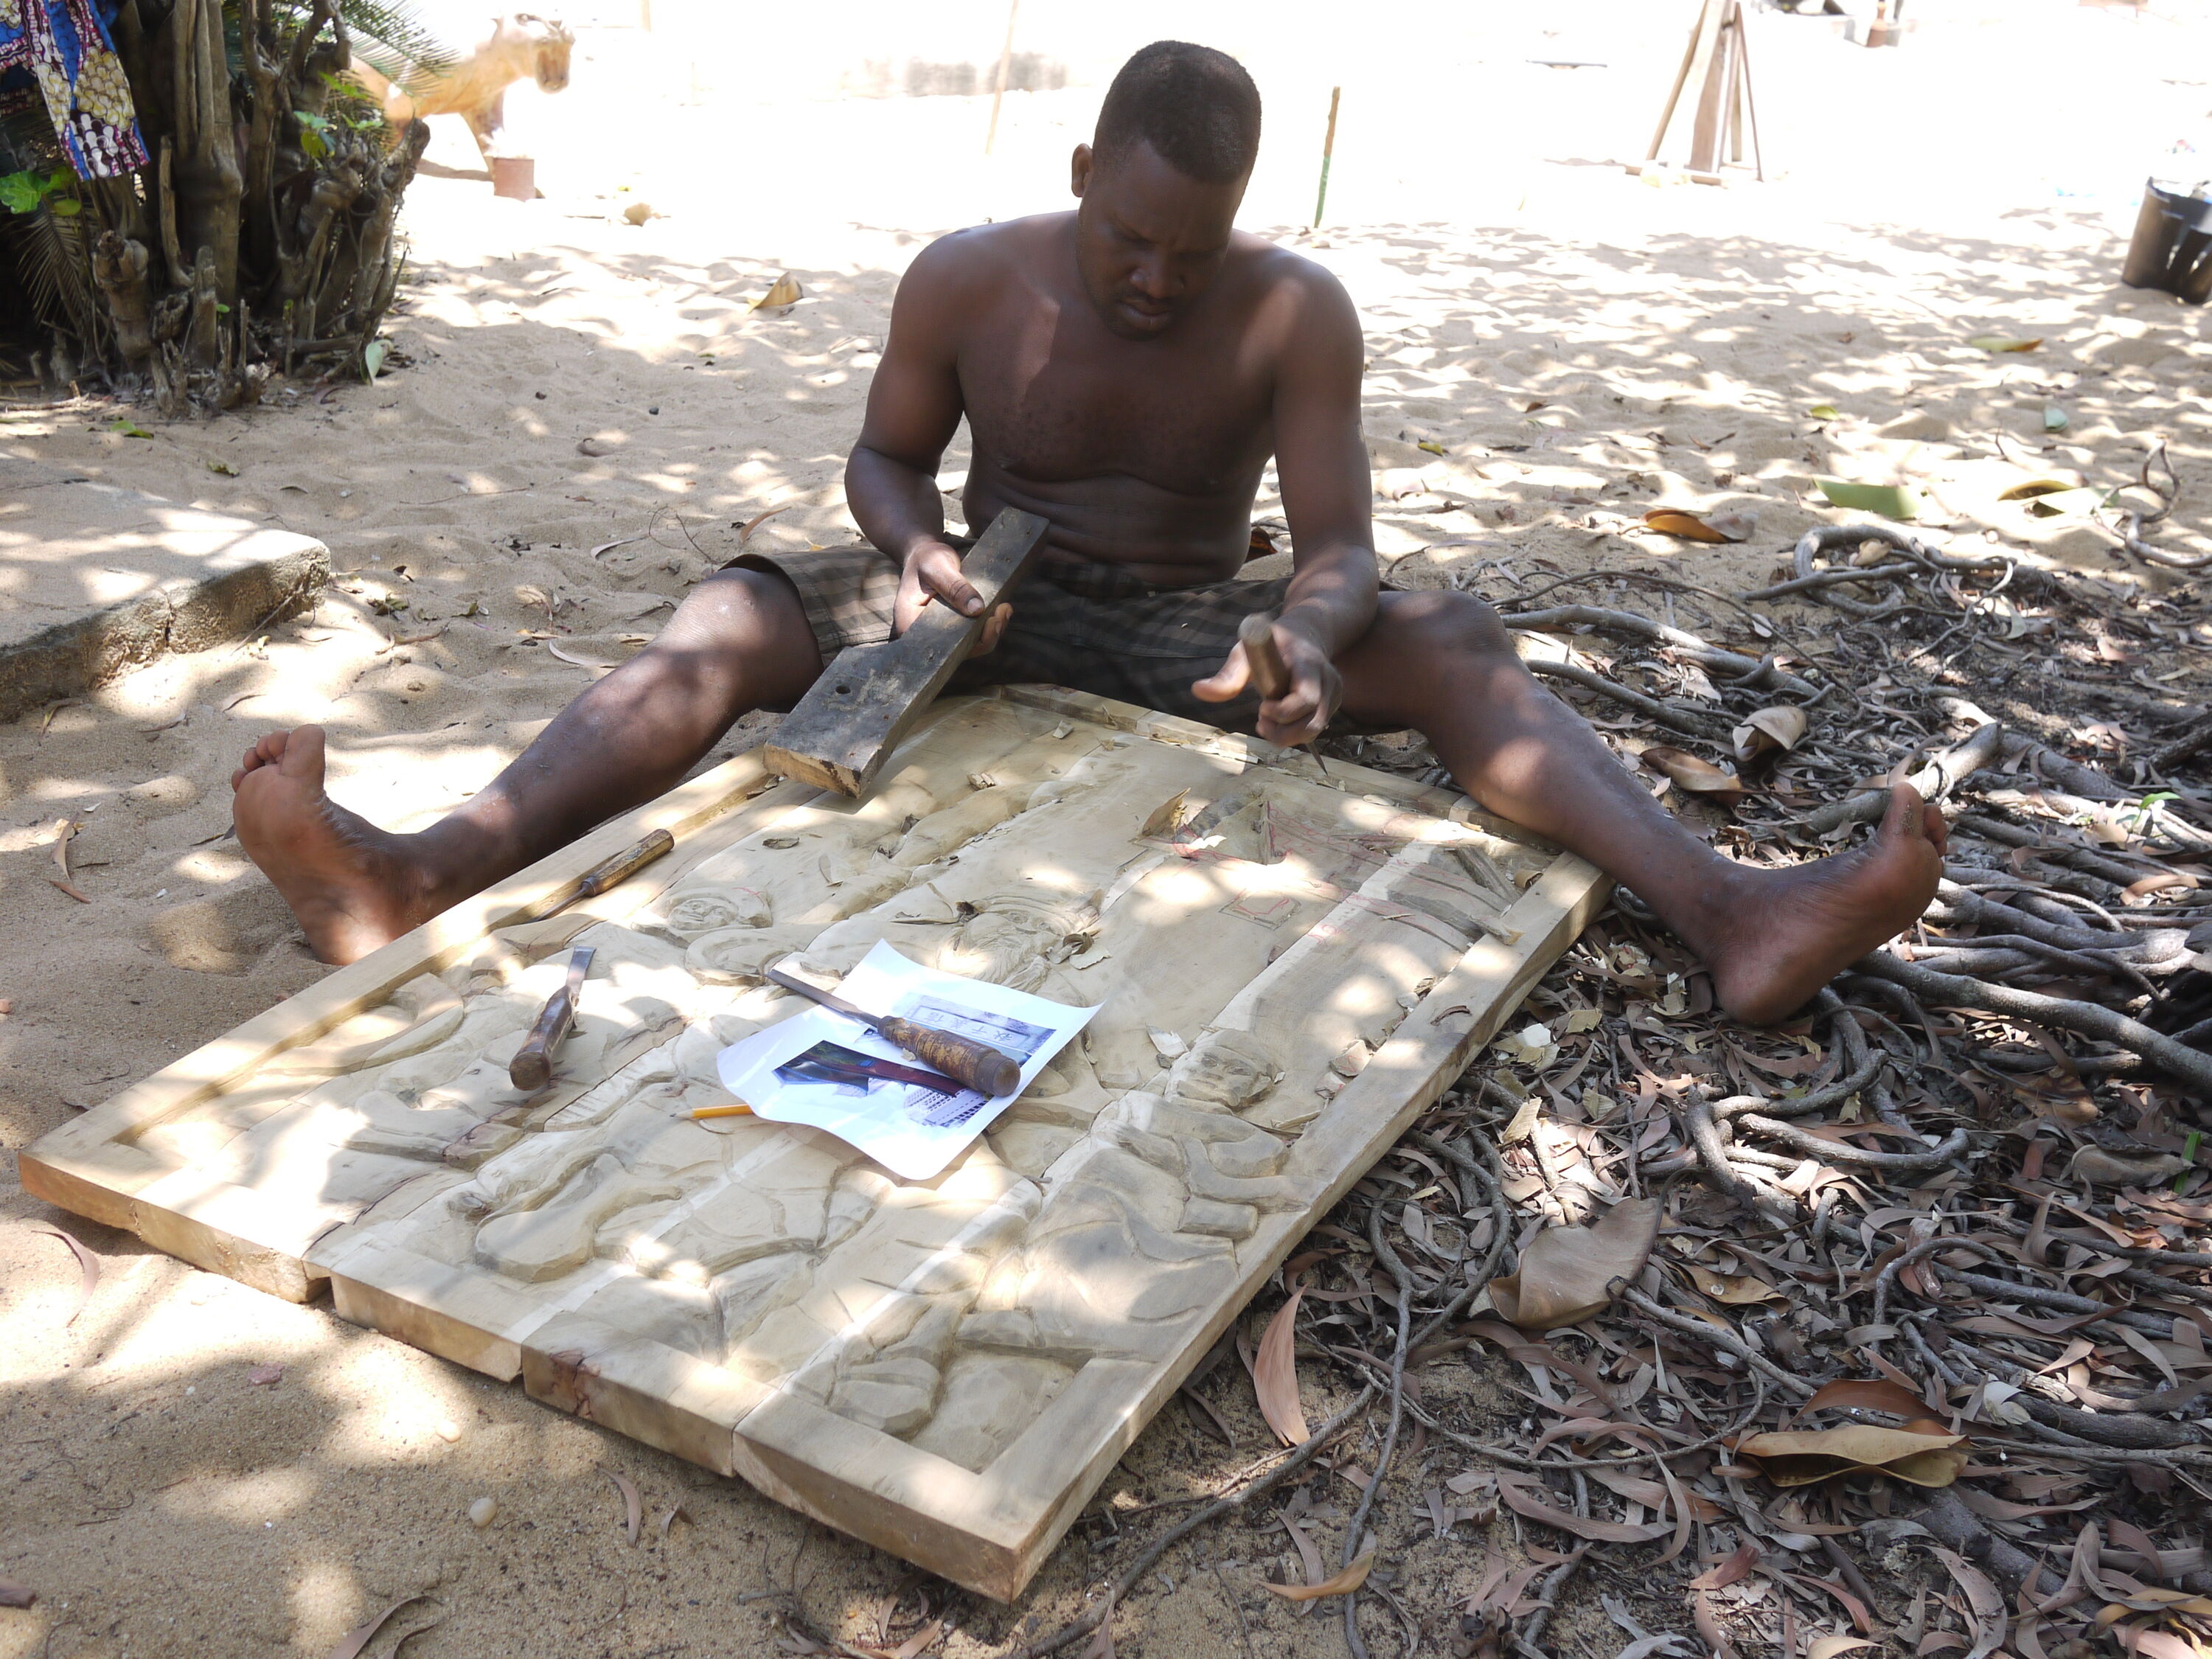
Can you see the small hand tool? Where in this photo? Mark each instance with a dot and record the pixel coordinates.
(962, 1059)
(613, 871)
(1271, 675)
(531, 1068)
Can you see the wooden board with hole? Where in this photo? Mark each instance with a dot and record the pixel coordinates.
(1291, 965)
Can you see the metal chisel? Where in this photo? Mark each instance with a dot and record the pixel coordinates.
(531, 1068)
(962, 1059)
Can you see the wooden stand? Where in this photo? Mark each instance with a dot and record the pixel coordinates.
(1718, 61)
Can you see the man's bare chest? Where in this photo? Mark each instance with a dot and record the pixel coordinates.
(1188, 419)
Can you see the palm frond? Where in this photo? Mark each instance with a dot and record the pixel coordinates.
(52, 257)
(398, 27)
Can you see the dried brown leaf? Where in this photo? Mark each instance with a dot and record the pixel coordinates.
(1769, 730)
(351, 1643)
(633, 1508)
(1734, 1569)
(265, 1376)
(2107, 1166)
(1862, 1616)
(65, 833)
(13, 1595)
(1693, 774)
(1342, 1583)
(1804, 1457)
(1736, 1290)
(1519, 1493)
(1983, 1597)
(1275, 1374)
(1827, 1647)
(88, 1266)
(754, 523)
(2156, 1643)
(1674, 521)
(1866, 1394)
(1568, 1273)
(2028, 488)
(1709, 1624)
(785, 291)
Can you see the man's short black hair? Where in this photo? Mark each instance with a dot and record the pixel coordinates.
(1195, 106)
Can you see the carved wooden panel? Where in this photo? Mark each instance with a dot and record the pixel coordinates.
(1291, 966)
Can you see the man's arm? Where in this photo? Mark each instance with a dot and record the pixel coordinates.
(1320, 456)
(913, 409)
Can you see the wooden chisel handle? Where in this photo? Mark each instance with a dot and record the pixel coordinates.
(959, 1058)
(531, 1068)
(1271, 676)
(614, 871)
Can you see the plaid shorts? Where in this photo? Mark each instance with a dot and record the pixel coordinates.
(1088, 627)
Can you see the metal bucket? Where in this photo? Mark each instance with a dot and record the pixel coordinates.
(2172, 245)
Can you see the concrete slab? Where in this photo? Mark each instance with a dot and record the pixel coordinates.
(95, 579)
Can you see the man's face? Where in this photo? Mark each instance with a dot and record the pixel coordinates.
(1148, 238)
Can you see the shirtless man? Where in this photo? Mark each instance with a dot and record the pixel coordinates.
(1126, 370)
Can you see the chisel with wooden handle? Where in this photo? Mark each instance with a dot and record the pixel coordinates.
(1271, 675)
(531, 1068)
(963, 1060)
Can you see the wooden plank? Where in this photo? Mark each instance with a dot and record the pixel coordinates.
(847, 725)
(949, 1368)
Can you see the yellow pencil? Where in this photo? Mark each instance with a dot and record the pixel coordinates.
(738, 1111)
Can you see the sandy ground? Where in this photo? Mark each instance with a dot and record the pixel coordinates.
(585, 414)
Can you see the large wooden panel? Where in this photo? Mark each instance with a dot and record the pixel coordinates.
(946, 1368)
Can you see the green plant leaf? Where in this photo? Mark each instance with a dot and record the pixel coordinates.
(1890, 500)
(1823, 411)
(68, 206)
(2055, 419)
(129, 428)
(22, 192)
(372, 355)
(1994, 342)
(223, 467)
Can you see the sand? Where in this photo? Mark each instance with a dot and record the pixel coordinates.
(582, 416)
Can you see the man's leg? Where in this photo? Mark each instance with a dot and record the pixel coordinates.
(1443, 664)
(740, 641)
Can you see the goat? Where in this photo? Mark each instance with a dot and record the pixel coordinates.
(474, 85)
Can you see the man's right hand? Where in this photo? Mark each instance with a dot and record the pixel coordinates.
(932, 575)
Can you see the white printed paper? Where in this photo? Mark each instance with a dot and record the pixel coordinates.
(832, 1072)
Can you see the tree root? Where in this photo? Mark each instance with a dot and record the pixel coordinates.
(1754, 672)
(1714, 1337)
(1666, 714)
(1946, 769)
(2192, 1065)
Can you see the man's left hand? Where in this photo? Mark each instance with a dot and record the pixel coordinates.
(1301, 713)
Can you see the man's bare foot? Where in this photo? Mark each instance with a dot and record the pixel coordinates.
(349, 884)
(1773, 937)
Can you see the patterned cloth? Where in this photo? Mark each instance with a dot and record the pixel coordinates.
(59, 51)
(1090, 627)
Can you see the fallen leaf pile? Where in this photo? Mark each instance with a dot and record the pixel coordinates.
(1889, 1326)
